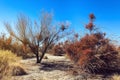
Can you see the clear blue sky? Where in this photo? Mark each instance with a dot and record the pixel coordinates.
(107, 12)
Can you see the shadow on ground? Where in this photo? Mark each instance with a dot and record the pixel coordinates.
(68, 66)
(58, 65)
(108, 72)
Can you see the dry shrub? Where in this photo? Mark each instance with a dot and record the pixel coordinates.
(7, 59)
(93, 52)
(21, 50)
(5, 43)
(58, 50)
(14, 46)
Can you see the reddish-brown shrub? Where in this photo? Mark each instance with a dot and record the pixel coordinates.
(14, 46)
(5, 43)
(58, 50)
(93, 51)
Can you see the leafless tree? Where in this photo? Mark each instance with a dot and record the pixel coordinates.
(38, 36)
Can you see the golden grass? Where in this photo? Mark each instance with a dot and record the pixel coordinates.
(18, 69)
(8, 62)
(116, 77)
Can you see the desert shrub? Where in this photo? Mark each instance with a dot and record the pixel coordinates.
(5, 43)
(93, 52)
(7, 59)
(21, 50)
(58, 50)
(8, 43)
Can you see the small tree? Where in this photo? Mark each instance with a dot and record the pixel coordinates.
(37, 37)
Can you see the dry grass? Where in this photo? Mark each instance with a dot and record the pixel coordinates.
(9, 65)
(116, 77)
(18, 69)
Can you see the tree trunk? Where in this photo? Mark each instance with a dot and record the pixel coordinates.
(37, 58)
(43, 53)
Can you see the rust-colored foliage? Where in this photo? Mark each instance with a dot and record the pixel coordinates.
(58, 50)
(5, 43)
(93, 51)
(92, 16)
(9, 40)
(14, 46)
(90, 26)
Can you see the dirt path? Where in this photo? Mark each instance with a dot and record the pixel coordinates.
(53, 68)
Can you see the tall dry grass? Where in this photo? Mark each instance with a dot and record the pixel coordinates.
(7, 64)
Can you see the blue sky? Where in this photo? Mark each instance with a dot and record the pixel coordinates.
(107, 12)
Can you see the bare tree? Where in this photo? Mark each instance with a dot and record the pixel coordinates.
(38, 36)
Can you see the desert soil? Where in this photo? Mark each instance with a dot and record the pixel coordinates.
(53, 68)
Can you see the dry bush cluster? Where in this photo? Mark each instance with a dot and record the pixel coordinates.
(58, 50)
(8, 43)
(93, 52)
(8, 67)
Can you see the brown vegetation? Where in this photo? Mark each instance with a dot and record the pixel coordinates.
(93, 51)
(13, 45)
(58, 50)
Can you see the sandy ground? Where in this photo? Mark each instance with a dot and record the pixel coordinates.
(53, 68)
